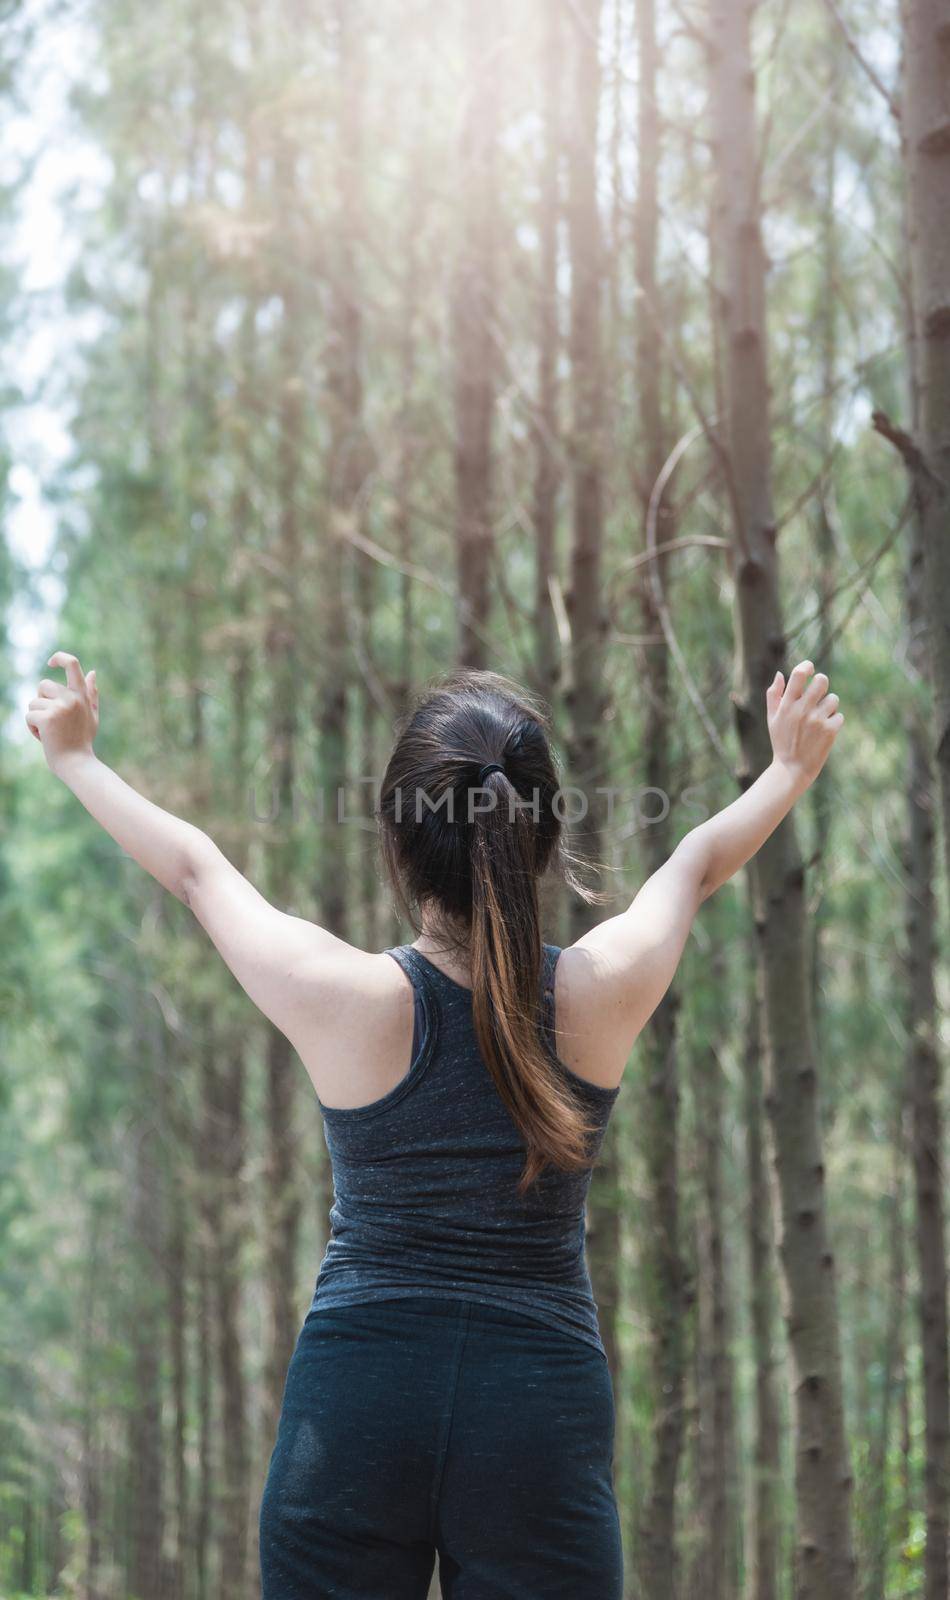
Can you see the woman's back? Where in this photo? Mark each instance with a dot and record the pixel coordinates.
(426, 1177)
(470, 1412)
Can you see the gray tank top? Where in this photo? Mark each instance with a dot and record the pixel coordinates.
(425, 1179)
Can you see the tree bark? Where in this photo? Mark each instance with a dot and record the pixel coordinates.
(472, 314)
(585, 695)
(546, 431)
(926, 149)
(407, 424)
(345, 475)
(351, 456)
(893, 1380)
(90, 1455)
(204, 1499)
(176, 1255)
(762, 1562)
(227, 1126)
(145, 1423)
(664, 1272)
(282, 1209)
(825, 1567)
(718, 1498)
(826, 314)
(924, 1094)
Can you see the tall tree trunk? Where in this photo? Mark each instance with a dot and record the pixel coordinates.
(826, 312)
(148, 1575)
(407, 425)
(28, 1547)
(546, 430)
(226, 1267)
(145, 1431)
(661, 1263)
(586, 695)
(176, 1255)
(282, 1212)
(824, 1556)
(55, 1551)
(907, 1443)
(880, 1515)
(473, 311)
(90, 1456)
(762, 1558)
(204, 1167)
(172, 1250)
(229, 1121)
(351, 457)
(344, 477)
(664, 1272)
(206, 1453)
(547, 425)
(926, 147)
(221, 1153)
(924, 1093)
(718, 1501)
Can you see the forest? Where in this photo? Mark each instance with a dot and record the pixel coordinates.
(605, 344)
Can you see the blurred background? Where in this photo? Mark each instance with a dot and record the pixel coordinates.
(578, 339)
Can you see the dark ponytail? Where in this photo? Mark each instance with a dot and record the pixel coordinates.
(473, 847)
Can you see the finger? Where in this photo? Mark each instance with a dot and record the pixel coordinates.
(93, 686)
(773, 693)
(826, 706)
(74, 673)
(35, 720)
(816, 690)
(836, 721)
(53, 690)
(798, 677)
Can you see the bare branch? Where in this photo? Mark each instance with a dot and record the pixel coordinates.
(666, 622)
(909, 451)
(866, 67)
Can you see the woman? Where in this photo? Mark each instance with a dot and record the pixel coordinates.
(449, 1392)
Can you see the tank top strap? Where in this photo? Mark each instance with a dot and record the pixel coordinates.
(421, 975)
(426, 1007)
(549, 960)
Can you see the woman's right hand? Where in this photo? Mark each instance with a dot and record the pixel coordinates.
(803, 720)
(65, 716)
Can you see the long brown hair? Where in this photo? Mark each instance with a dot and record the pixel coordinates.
(477, 867)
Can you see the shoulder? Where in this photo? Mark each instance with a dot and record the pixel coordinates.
(360, 1013)
(345, 971)
(353, 990)
(615, 976)
(592, 1019)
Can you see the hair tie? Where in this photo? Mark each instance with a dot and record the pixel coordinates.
(487, 770)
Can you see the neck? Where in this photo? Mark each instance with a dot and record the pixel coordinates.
(446, 943)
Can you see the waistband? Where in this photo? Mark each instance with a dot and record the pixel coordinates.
(578, 1324)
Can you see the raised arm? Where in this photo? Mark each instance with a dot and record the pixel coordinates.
(284, 963)
(629, 961)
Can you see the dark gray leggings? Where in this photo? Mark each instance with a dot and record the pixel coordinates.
(420, 1427)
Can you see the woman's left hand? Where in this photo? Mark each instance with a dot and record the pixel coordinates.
(803, 720)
